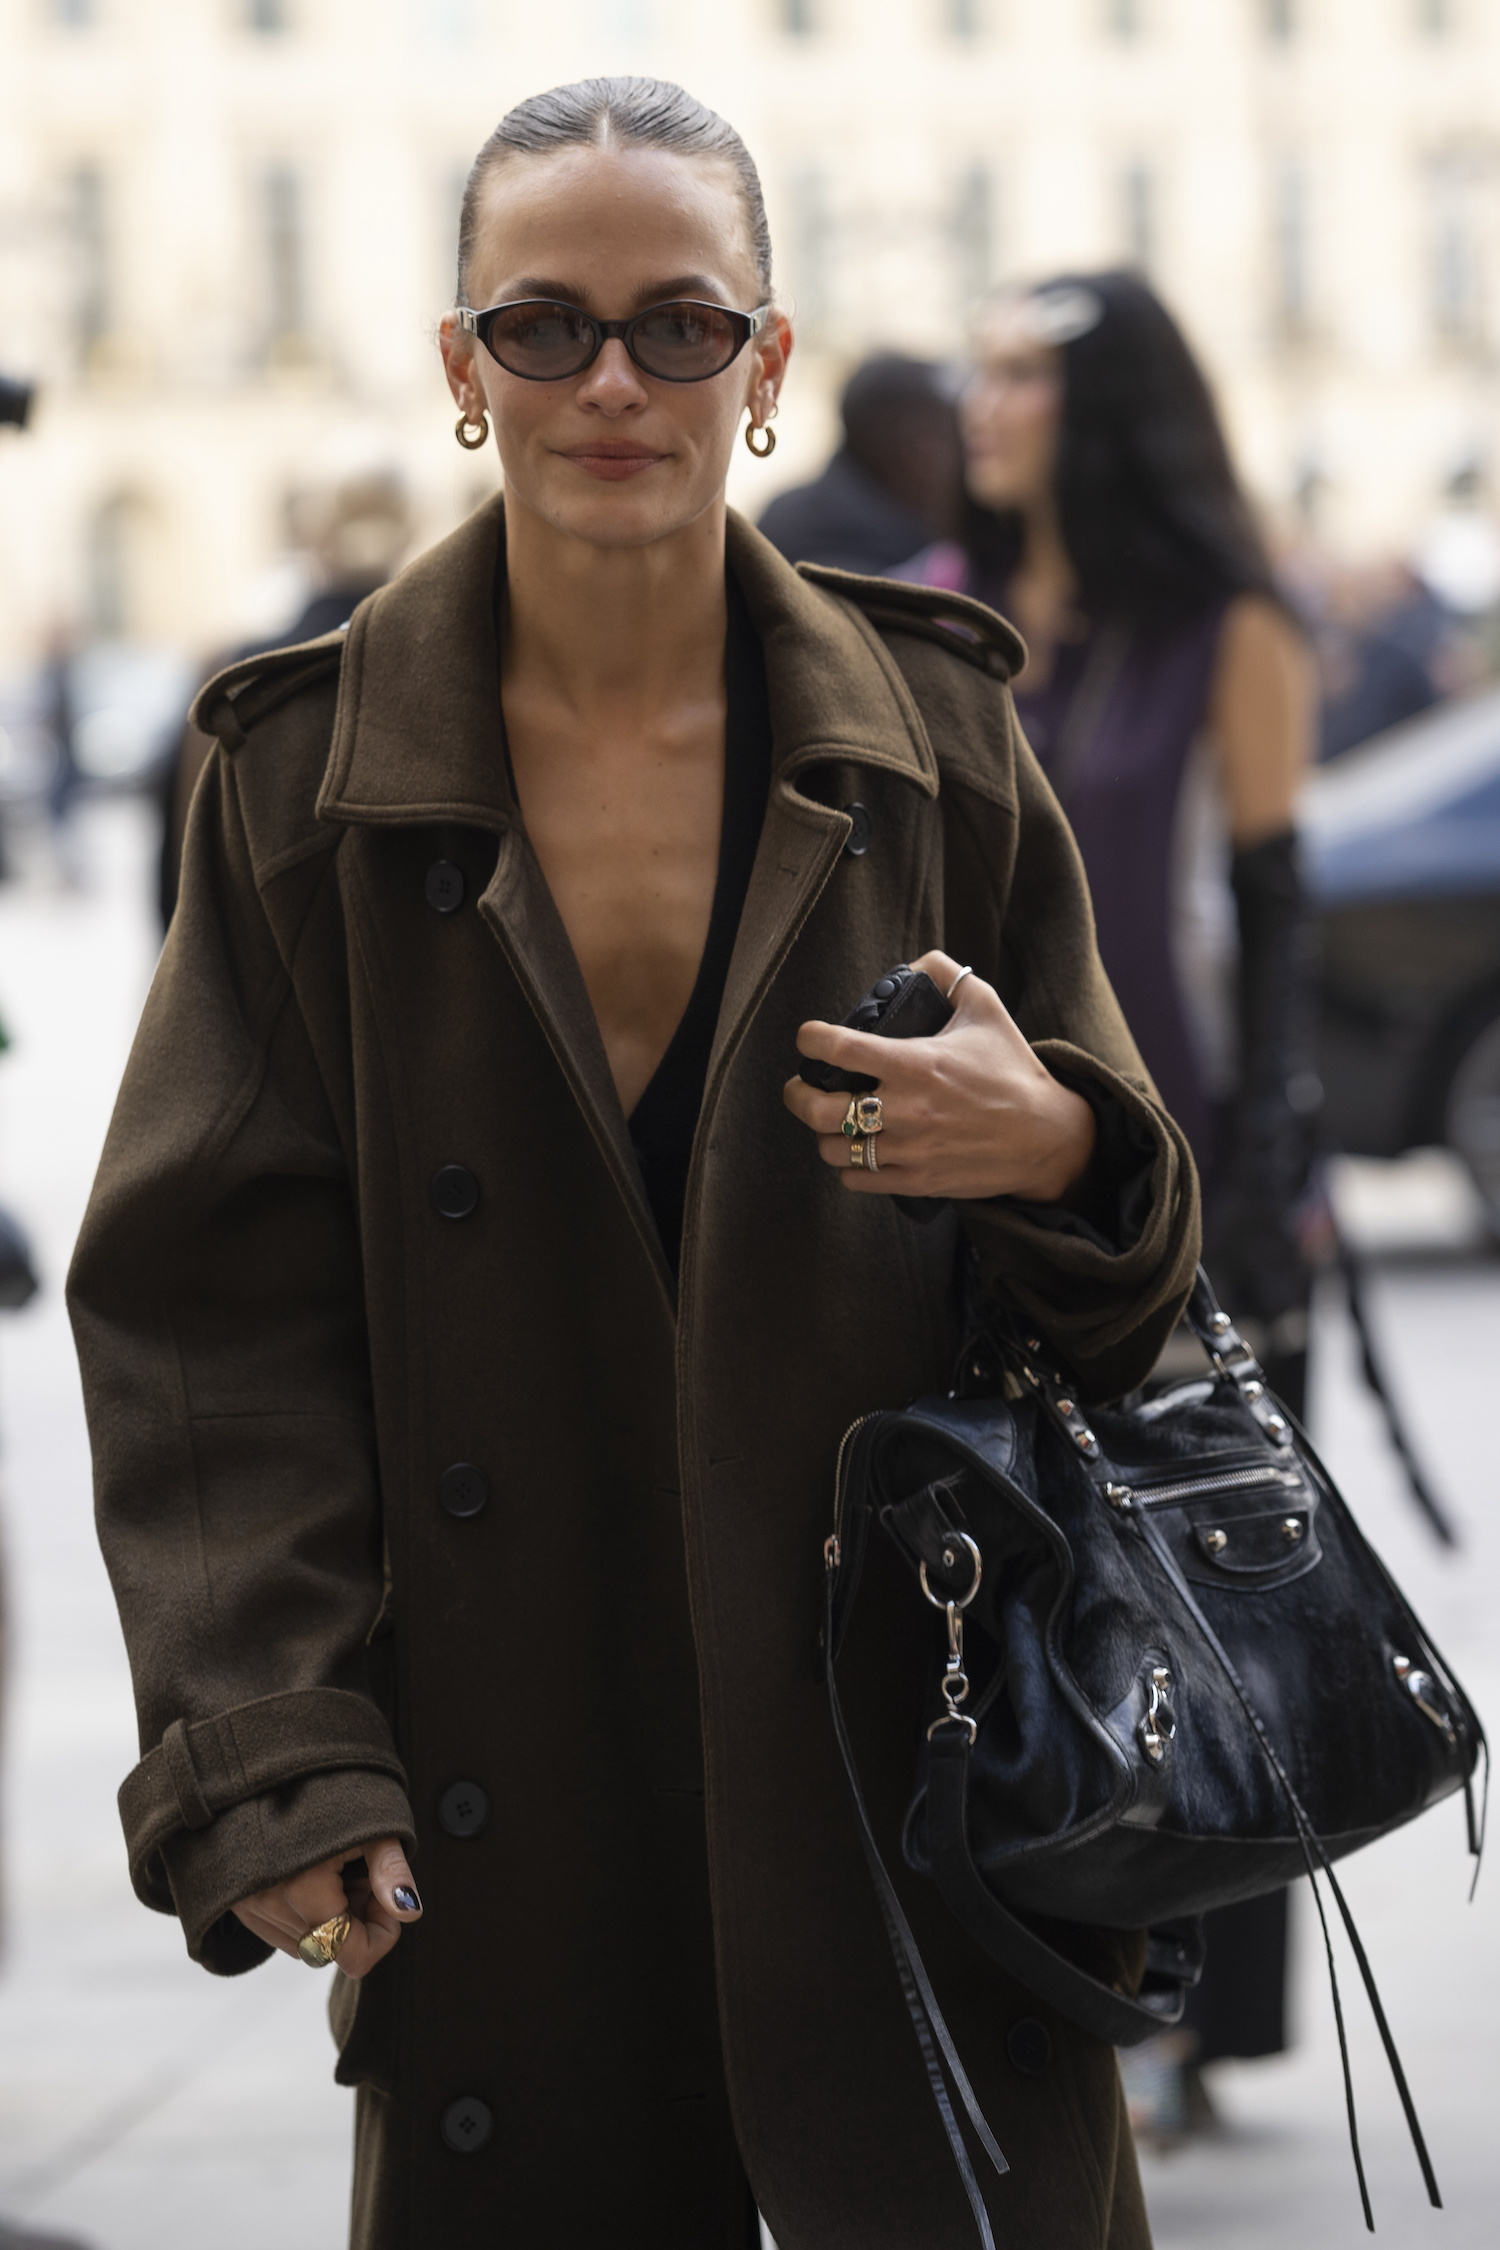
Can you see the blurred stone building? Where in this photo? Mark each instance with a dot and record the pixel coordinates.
(226, 233)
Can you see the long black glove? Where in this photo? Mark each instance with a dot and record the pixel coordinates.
(1250, 1234)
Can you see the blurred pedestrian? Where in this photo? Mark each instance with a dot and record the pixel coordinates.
(353, 534)
(1170, 697)
(894, 484)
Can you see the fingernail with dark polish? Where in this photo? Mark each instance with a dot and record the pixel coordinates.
(407, 1899)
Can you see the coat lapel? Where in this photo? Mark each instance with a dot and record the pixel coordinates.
(836, 696)
(418, 738)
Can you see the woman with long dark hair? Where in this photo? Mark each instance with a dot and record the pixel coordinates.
(1169, 698)
(471, 1303)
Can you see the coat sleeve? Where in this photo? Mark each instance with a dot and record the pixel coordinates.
(217, 1303)
(1106, 1301)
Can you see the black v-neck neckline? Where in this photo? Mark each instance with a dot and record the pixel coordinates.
(665, 1119)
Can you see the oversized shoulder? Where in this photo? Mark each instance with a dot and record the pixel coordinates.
(957, 658)
(956, 623)
(238, 699)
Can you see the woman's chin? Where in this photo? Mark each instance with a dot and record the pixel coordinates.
(606, 513)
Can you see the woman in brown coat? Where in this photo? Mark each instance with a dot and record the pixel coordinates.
(469, 1322)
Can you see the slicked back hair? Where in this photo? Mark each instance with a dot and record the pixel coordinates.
(636, 112)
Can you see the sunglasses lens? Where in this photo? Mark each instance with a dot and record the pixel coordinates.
(682, 343)
(542, 341)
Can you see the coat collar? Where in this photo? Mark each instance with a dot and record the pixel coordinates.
(417, 733)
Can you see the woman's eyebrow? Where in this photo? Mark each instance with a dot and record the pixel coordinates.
(652, 293)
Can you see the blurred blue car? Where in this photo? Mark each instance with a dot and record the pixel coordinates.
(1401, 844)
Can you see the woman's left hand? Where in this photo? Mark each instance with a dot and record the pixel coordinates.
(970, 1113)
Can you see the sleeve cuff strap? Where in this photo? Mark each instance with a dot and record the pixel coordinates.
(206, 1767)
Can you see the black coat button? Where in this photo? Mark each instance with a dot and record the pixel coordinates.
(463, 1489)
(444, 886)
(468, 2125)
(858, 842)
(454, 1191)
(464, 1810)
(1029, 2046)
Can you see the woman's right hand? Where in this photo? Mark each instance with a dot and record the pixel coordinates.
(378, 1894)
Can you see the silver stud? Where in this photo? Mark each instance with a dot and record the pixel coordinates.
(1086, 1439)
(1255, 1390)
(1276, 1425)
(949, 1558)
(1154, 1748)
(1291, 1530)
(1216, 1541)
(1220, 1322)
(1065, 1406)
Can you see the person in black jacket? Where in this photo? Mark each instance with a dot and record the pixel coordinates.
(895, 483)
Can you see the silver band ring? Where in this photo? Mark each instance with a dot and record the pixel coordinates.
(957, 981)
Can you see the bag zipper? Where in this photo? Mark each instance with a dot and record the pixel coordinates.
(1186, 1488)
(833, 1548)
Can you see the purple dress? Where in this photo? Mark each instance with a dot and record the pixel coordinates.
(1112, 729)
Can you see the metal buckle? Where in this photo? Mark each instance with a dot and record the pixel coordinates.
(955, 1681)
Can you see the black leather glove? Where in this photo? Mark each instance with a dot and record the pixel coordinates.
(1250, 1238)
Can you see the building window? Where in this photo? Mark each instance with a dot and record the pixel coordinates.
(267, 15)
(1125, 19)
(812, 248)
(1281, 20)
(1138, 215)
(88, 233)
(1290, 251)
(1455, 286)
(114, 561)
(973, 236)
(282, 222)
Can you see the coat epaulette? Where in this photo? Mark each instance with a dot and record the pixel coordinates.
(957, 622)
(239, 697)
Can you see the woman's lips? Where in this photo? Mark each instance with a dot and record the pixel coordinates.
(613, 463)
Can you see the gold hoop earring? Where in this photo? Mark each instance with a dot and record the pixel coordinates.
(462, 427)
(761, 452)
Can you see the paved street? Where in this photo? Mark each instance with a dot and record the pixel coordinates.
(137, 2095)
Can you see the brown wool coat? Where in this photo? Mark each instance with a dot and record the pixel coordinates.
(661, 1959)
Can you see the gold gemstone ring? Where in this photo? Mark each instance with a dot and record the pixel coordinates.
(865, 1114)
(321, 1947)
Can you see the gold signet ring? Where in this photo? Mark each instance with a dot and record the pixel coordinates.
(321, 1947)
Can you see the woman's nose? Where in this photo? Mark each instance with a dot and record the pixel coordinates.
(614, 380)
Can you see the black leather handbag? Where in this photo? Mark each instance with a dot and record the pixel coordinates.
(1172, 1673)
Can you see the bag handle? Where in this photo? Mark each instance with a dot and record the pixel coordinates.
(927, 2018)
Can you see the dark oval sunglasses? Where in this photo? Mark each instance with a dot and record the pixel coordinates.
(545, 341)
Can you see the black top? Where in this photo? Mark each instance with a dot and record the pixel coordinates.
(665, 1118)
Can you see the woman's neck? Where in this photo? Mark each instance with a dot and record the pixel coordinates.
(1043, 592)
(614, 630)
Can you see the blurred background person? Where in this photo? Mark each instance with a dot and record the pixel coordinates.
(896, 481)
(1170, 696)
(352, 535)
